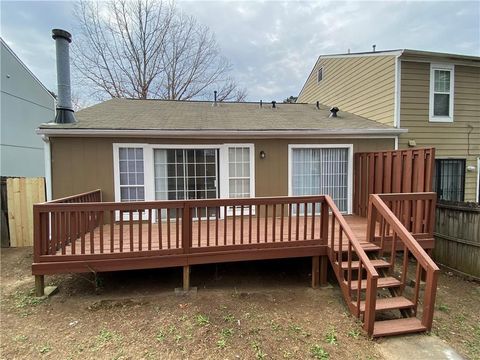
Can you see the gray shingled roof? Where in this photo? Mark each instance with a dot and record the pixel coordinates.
(129, 114)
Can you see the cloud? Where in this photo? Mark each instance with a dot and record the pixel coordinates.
(273, 45)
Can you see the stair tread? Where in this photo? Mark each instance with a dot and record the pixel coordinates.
(398, 302)
(384, 282)
(366, 246)
(397, 326)
(376, 263)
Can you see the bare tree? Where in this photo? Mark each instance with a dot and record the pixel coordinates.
(148, 49)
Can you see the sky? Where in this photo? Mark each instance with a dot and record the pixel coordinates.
(272, 45)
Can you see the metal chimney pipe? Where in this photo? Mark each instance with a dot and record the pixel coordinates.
(64, 97)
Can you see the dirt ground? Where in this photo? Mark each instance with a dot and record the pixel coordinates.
(255, 310)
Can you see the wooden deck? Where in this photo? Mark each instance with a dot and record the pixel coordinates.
(162, 236)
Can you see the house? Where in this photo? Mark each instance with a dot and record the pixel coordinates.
(25, 104)
(435, 96)
(181, 183)
(174, 150)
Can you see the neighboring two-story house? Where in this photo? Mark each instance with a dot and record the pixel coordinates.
(435, 96)
(25, 104)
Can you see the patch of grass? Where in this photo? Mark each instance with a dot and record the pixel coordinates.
(259, 354)
(229, 318)
(444, 308)
(45, 349)
(226, 333)
(222, 343)
(20, 338)
(105, 336)
(331, 337)
(275, 326)
(160, 335)
(319, 353)
(202, 320)
(355, 333)
(23, 300)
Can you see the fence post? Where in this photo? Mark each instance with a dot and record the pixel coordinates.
(429, 300)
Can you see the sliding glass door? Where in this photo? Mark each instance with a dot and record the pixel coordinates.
(319, 171)
(186, 174)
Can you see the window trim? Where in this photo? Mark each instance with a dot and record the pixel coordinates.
(322, 70)
(444, 67)
(291, 147)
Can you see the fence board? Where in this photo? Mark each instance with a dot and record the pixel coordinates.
(457, 237)
(391, 172)
(22, 193)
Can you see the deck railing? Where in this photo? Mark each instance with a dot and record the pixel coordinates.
(385, 221)
(342, 238)
(77, 230)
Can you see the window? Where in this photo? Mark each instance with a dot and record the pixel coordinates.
(239, 172)
(132, 182)
(441, 93)
(320, 75)
(449, 179)
(319, 170)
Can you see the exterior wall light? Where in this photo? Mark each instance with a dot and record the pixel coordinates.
(262, 155)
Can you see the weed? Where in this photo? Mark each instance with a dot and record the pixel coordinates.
(23, 300)
(275, 326)
(444, 307)
(172, 329)
(202, 320)
(177, 338)
(287, 354)
(222, 343)
(160, 335)
(183, 318)
(229, 318)
(319, 353)
(45, 349)
(20, 338)
(226, 333)
(259, 354)
(105, 336)
(355, 333)
(331, 337)
(295, 328)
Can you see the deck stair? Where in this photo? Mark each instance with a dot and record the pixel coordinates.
(373, 273)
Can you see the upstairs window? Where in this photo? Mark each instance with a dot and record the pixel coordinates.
(441, 93)
(319, 75)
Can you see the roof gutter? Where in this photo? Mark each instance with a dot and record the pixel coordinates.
(305, 133)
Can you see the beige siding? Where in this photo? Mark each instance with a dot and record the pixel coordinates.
(84, 164)
(449, 139)
(362, 85)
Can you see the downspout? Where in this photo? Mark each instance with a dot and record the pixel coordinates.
(48, 166)
(397, 95)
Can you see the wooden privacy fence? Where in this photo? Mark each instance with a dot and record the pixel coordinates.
(396, 171)
(22, 194)
(457, 235)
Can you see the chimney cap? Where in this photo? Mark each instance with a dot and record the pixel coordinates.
(56, 33)
(333, 111)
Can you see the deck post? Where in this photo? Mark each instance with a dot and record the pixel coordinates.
(323, 270)
(39, 285)
(315, 271)
(186, 277)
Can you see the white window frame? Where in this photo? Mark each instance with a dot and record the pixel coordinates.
(224, 169)
(147, 174)
(148, 166)
(291, 147)
(451, 69)
(322, 70)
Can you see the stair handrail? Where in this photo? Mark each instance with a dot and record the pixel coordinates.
(376, 204)
(372, 274)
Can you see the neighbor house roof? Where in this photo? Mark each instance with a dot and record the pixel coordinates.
(128, 117)
(410, 53)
